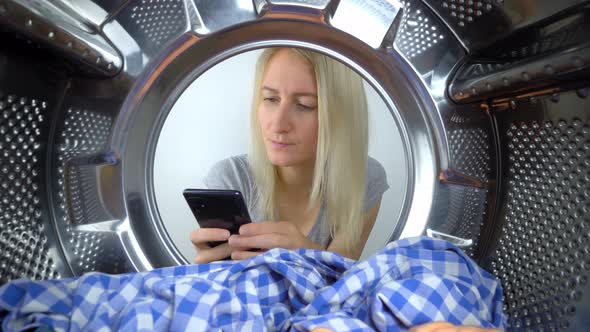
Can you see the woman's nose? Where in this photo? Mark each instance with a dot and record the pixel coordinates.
(282, 118)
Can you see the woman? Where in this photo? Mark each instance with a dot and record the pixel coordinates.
(307, 173)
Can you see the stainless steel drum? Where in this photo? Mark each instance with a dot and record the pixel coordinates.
(490, 97)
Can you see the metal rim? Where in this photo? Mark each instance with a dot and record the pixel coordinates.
(162, 83)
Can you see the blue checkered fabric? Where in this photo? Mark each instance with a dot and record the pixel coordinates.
(410, 282)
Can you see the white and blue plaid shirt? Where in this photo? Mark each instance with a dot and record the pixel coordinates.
(410, 282)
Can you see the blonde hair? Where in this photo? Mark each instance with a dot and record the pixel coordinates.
(339, 178)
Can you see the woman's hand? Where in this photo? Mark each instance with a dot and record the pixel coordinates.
(205, 254)
(268, 235)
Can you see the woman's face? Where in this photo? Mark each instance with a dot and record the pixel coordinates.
(288, 112)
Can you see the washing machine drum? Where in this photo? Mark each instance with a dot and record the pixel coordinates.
(485, 139)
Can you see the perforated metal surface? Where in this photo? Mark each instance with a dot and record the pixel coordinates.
(153, 23)
(542, 257)
(470, 155)
(482, 24)
(417, 33)
(468, 11)
(465, 215)
(84, 134)
(23, 244)
(470, 152)
(85, 204)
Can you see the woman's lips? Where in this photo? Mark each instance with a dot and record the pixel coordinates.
(279, 145)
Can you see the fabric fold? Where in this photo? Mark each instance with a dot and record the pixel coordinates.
(410, 282)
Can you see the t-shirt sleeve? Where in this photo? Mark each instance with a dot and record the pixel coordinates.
(376, 183)
(233, 174)
(222, 176)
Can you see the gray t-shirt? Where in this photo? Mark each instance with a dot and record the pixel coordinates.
(234, 173)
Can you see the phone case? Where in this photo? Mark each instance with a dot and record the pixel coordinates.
(216, 208)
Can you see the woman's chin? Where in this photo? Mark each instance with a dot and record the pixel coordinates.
(281, 161)
(287, 159)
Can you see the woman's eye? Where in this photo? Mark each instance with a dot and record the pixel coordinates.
(271, 99)
(305, 107)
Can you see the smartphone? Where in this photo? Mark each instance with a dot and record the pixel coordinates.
(215, 208)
